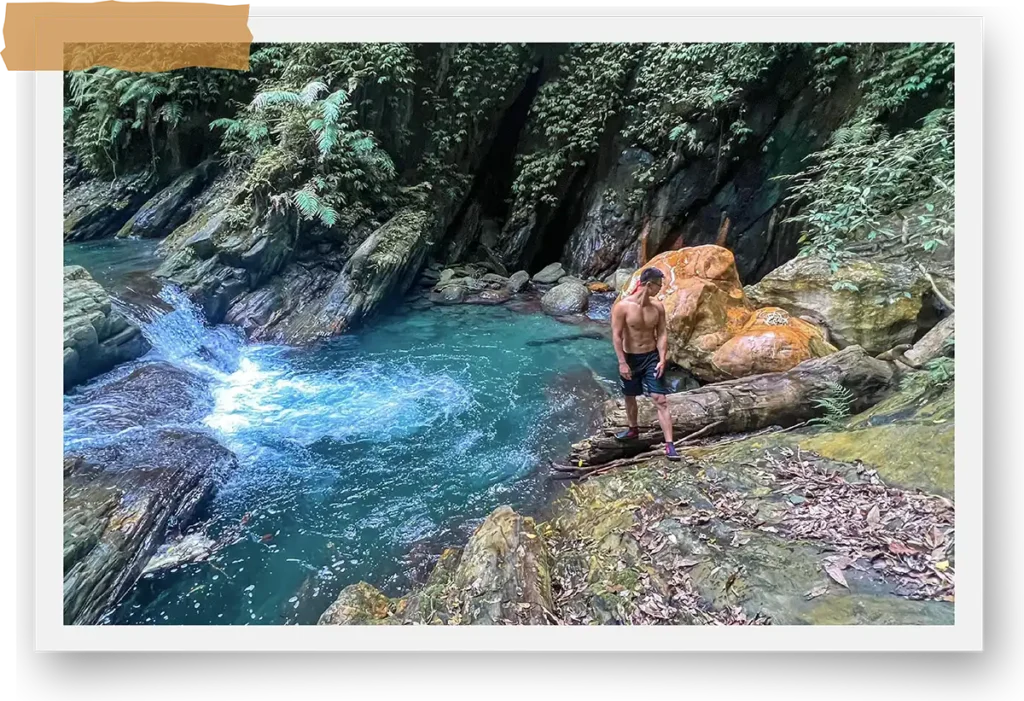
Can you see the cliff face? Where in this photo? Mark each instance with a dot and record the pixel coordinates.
(595, 156)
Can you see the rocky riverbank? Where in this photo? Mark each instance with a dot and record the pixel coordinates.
(545, 177)
(845, 525)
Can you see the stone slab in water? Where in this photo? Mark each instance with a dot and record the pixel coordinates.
(96, 336)
(121, 502)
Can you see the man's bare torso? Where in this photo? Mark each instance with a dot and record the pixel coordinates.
(640, 324)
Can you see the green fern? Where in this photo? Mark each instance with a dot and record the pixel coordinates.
(836, 402)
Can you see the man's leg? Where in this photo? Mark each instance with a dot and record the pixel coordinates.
(665, 419)
(631, 411)
(631, 388)
(655, 386)
(633, 429)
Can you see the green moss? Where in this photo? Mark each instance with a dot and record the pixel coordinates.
(852, 609)
(911, 456)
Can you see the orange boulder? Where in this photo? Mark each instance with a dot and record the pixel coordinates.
(770, 341)
(713, 329)
(704, 304)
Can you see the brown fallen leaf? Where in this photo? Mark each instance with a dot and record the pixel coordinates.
(898, 548)
(687, 562)
(873, 517)
(834, 571)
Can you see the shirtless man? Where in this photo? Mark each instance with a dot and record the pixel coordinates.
(641, 343)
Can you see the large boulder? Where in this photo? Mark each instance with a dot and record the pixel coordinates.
(503, 576)
(96, 336)
(566, 298)
(98, 208)
(771, 341)
(871, 304)
(382, 268)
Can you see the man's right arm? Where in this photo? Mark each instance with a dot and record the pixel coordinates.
(618, 332)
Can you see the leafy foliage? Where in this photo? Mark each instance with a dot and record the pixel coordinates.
(870, 170)
(302, 142)
(116, 121)
(569, 116)
(836, 403)
(473, 86)
(690, 100)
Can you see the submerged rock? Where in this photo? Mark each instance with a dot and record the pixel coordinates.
(96, 336)
(565, 298)
(121, 502)
(871, 304)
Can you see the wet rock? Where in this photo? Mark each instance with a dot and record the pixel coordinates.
(151, 394)
(498, 296)
(445, 277)
(269, 312)
(565, 299)
(381, 269)
(96, 336)
(194, 547)
(770, 341)
(518, 282)
(170, 207)
(98, 208)
(620, 278)
(494, 280)
(121, 502)
(502, 576)
(871, 304)
(450, 294)
(550, 274)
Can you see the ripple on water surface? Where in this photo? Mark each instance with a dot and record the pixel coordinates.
(355, 450)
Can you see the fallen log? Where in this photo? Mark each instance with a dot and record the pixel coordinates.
(746, 404)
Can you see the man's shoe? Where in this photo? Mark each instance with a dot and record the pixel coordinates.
(632, 433)
(670, 452)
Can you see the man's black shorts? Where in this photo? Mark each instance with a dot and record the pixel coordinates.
(644, 375)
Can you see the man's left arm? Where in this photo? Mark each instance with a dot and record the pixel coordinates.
(662, 341)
